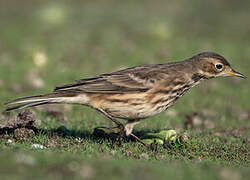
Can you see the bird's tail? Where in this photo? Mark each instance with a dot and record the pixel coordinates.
(30, 101)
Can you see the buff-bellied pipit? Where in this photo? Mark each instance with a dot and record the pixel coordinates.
(138, 92)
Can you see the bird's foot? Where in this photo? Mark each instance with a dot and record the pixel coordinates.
(120, 130)
(107, 131)
(121, 136)
(123, 133)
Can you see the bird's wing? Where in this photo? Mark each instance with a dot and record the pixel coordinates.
(136, 79)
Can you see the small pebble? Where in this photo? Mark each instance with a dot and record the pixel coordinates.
(38, 146)
(9, 142)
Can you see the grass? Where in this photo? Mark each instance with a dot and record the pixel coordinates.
(46, 44)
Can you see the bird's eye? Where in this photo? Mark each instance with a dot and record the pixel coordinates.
(219, 66)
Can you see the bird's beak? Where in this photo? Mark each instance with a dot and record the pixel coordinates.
(234, 73)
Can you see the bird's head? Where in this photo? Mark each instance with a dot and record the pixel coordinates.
(210, 65)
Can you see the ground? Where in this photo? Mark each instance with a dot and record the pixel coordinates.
(46, 44)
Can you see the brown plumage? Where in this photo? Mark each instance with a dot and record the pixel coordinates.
(138, 92)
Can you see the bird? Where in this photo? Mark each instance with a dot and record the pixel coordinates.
(135, 93)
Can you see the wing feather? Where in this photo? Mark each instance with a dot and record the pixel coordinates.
(136, 79)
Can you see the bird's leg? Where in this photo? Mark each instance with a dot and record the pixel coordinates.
(130, 125)
(119, 125)
(127, 130)
(139, 140)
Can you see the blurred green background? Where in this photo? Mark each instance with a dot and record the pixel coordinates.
(48, 43)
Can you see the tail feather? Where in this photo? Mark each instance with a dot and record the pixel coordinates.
(30, 101)
(22, 106)
(32, 98)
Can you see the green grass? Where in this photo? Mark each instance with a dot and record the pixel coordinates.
(46, 44)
